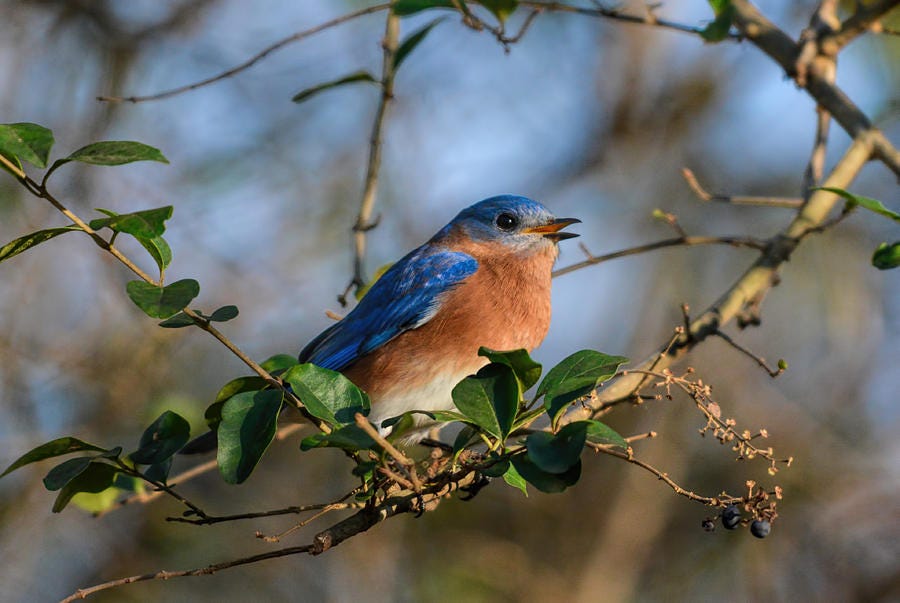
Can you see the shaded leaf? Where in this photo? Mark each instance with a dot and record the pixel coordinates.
(159, 472)
(887, 256)
(177, 321)
(497, 469)
(600, 433)
(13, 160)
(413, 40)
(466, 436)
(550, 483)
(489, 398)
(405, 8)
(527, 370)
(224, 314)
(116, 152)
(348, 437)
(557, 452)
(97, 477)
(26, 142)
(866, 202)
(65, 472)
(574, 377)
(57, 447)
(144, 224)
(249, 420)
(353, 78)
(165, 436)
(162, 302)
(159, 250)
(17, 246)
(327, 394)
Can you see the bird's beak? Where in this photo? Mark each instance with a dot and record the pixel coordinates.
(552, 229)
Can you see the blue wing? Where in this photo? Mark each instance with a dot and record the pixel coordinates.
(405, 297)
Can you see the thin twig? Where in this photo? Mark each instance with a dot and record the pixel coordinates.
(408, 465)
(252, 60)
(758, 359)
(364, 221)
(676, 242)
(703, 195)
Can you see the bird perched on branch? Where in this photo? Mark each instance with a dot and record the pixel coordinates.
(482, 280)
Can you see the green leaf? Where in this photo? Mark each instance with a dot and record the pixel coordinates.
(348, 437)
(144, 224)
(501, 9)
(887, 256)
(400, 426)
(159, 472)
(497, 469)
(279, 363)
(165, 436)
(526, 418)
(550, 483)
(162, 302)
(515, 479)
(177, 321)
(557, 452)
(57, 447)
(159, 250)
(249, 420)
(866, 202)
(250, 383)
(115, 152)
(358, 76)
(718, 29)
(26, 142)
(600, 433)
(410, 43)
(65, 472)
(327, 394)
(527, 370)
(466, 436)
(28, 241)
(574, 377)
(13, 160)
(404, 8)
(97, 477)
(489, 398)
(224, 314)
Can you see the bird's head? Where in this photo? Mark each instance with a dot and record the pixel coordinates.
(519, 223)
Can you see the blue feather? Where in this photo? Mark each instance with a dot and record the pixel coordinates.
(405, 297)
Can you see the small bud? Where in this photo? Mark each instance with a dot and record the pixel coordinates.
(782, 365)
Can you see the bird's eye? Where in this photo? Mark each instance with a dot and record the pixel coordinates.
(506, 222)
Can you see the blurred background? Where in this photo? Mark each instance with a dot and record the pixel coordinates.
(596, 119)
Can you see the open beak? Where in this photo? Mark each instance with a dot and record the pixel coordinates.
(552, 229)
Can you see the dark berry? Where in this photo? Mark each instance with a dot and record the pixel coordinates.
(708, 524)
(760, 528)
(731, 517)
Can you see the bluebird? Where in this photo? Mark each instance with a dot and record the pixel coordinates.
(482, 280)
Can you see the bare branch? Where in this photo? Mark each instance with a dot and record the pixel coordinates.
(252, 60)
(703, 195)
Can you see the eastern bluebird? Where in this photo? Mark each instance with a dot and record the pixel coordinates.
(482, 280)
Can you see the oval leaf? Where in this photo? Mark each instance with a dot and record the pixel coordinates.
(279, 363)
(224, 314)
(574, 377)
(116, 152)
(97, 477)
(27, 142)
(527, 370)
(65, 472)
(327, 394)
(159, 250)
(249, 421)
(165, 436)
(162, 302)
(600, 433)
(557, 452)
(14, 248)
(550, 483)
(489, 398)
(57, 447)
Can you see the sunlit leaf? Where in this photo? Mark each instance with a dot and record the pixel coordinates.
(116, 152)
(600, 433)
(515, 479)
(866, 202)
(887, 256)
(17, 246)
(26, 142)
(327, 394)
(574, 377)
(527, 370)
(718, 29)
(489, 399)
